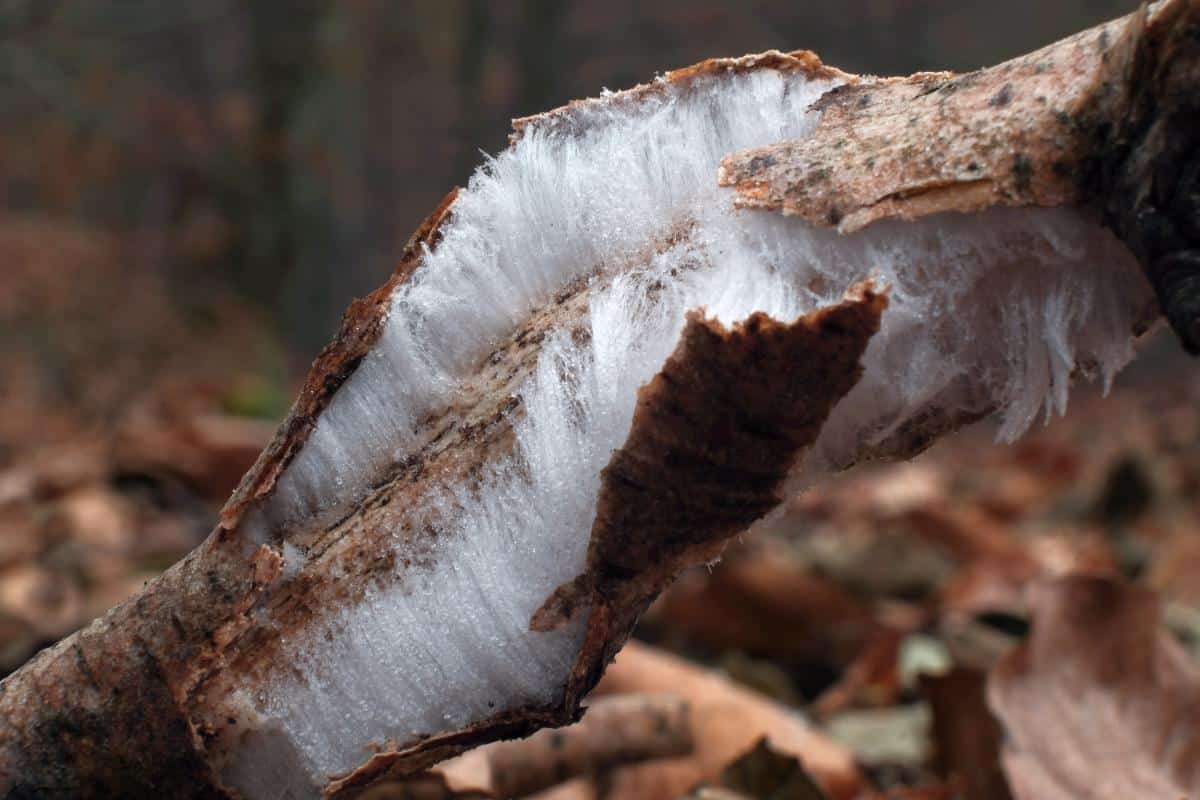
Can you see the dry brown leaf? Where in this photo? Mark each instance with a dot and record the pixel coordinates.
(46, 602)
(727, 721)
(761, 774)
(872, 679)
(1099, 702)
(764, 600)
(615, 730)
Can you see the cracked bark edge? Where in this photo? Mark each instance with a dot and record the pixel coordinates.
(1107, 120)
(135, 676)
(363, 321)
(101, 713)
(113, 708)
(1018, 134)
(714, 436)
(362, 325)
(804, 62)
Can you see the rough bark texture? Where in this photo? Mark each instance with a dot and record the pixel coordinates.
(361, 326)
(139, 721)
(1016, 134)
(104, 712)
(1148, 183)
(1106, 119)
(712, 439)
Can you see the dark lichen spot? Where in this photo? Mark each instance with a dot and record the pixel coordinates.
(1002, 97)
(760, 163)
(819, 175)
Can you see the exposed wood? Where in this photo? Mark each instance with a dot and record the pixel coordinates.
(130, 707)
(1108, 119)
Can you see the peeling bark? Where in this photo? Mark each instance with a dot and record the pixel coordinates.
(1108, 119)
(713, 439)
(140, 720)
(690, 475)
(145, 701)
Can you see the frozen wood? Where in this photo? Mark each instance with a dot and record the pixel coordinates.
(472, 499)
(1105, 120)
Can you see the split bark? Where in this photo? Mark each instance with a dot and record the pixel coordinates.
(1105, 121)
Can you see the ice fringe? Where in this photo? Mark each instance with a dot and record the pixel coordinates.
(992, 310)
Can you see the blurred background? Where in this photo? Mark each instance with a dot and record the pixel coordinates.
(191, 193)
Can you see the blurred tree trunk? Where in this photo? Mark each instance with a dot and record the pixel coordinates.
(281, 238)
(540, 53)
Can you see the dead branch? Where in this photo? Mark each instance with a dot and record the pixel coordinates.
(380, 592)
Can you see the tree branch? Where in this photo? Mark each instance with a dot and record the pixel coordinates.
(471, 501)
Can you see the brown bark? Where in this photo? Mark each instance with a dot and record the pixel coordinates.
(130, 705)
(718, 380)
(122, 707)
(713, 437)
(1108, 119)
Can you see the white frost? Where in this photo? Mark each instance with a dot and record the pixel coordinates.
(995, 309)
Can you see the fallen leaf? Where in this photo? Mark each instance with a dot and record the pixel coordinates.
(1099, 702)
(763, 773)
(727, 720)
(615, 730)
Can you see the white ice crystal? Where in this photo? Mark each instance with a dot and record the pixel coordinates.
(997, 309)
